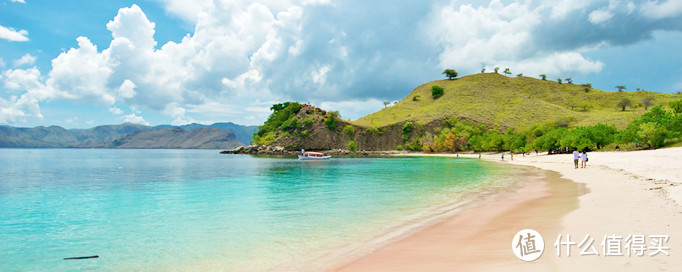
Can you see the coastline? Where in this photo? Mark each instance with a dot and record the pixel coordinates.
(621, 193)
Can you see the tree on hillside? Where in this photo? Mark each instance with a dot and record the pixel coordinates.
(450, 73)
(482, 70)
(620, 88)
(543, 76)
(507, 71)
(386, 103)
(625, 102)
(519, 75)
(437, 91)
(572, 103)
(558, 80)
(569, 80)
(497, 70)
(647, 101)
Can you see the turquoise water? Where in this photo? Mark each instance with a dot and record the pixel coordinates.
(199, 210)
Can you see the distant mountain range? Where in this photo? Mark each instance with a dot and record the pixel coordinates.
(127, 135)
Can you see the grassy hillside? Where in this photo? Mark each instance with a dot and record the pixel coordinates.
(512, 102)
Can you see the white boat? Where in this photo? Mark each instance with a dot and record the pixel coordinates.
(310, 156)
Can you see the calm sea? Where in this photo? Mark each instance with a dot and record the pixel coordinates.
(184, 210)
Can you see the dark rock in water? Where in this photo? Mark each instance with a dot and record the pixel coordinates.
(280, 150)
(81, 258)
(260, 149)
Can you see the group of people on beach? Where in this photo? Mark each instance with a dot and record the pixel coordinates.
(580, 157)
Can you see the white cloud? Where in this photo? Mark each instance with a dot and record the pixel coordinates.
(81, 74)
(26, 59)
(599, 16)
(504, 35)
(13, 35)
(557, 64)
(115, 110)
(19, 79)
(352, 109)
(18, 109)
(316, 2)
(135, 119)
(127, 89)
(242, 53)
(186, 9)
(178, 113)
(662, 9)
(19, 1)
(561, 8)
(320, 76)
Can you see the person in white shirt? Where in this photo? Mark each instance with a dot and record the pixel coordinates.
(576, 157)
(583, 158)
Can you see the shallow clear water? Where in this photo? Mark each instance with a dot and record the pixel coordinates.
(196, 210)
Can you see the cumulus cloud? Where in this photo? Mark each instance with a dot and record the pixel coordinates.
(662, 9)
(115, 110)
(599, 16)
(185, 9)
(18, 109)
(25, 60)
(245, 55)
(135, 119)
(13, 35)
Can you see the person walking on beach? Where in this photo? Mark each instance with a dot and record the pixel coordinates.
(502, 155)
(512, 155)
(583, 158)
(576, 157)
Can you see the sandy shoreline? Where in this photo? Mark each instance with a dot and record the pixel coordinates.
(621, 193)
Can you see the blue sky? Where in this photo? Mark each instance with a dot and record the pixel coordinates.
(79, 64)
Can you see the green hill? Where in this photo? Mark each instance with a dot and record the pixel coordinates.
(512, 102)
(485, 112)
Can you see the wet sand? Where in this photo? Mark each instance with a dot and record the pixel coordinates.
(479, 238)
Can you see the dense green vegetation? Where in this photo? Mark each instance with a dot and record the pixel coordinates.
(654, 129)
(282, 118)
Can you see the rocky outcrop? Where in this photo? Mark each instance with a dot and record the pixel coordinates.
(262, 149)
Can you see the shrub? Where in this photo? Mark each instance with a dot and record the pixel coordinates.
(352, 146)
(291, 124)
(407, 130)
(415, 145)
(676, 106)
(304, 133)
(416, 98)
(399, 148)
(408, 127)
(308, 121)
(349, 131)
(437, 91)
